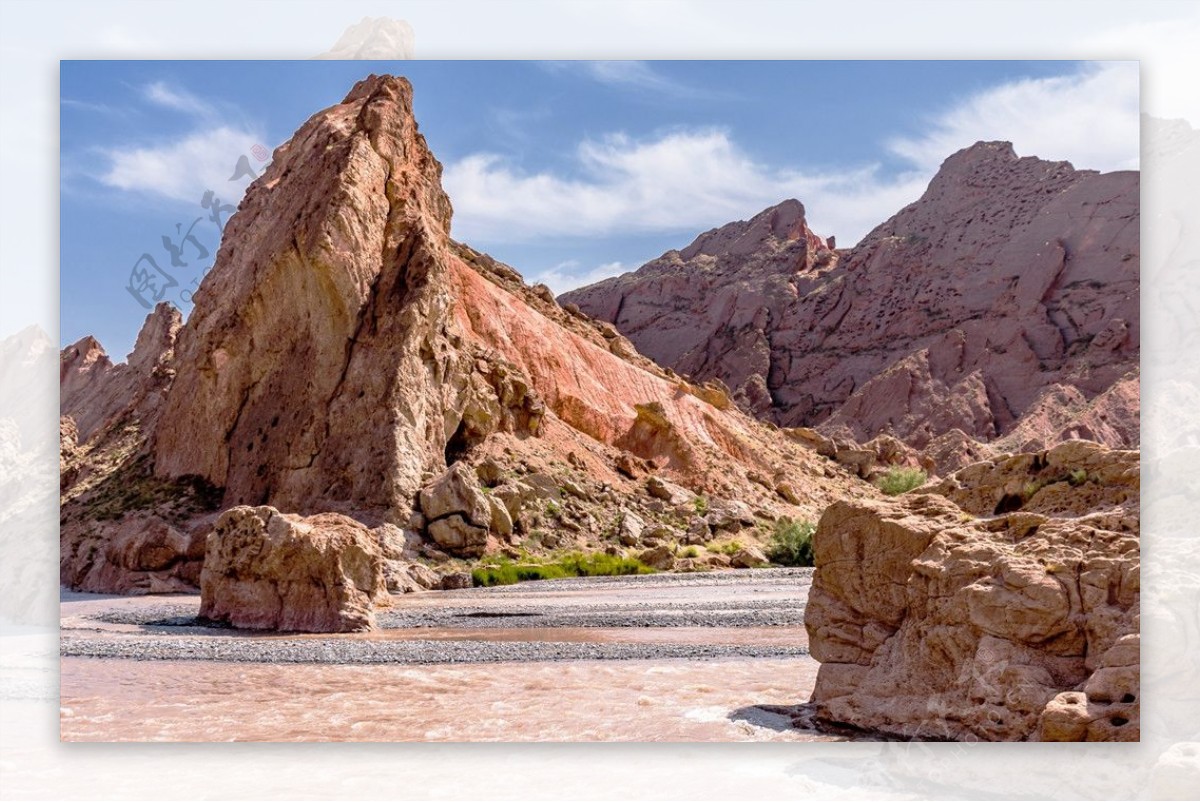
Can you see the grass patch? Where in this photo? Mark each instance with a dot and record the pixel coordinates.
(902, 480)
(690, 551)
(728, 549)
(791, 543)
(503, 571)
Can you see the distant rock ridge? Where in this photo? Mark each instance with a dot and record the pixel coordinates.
(1010, 281)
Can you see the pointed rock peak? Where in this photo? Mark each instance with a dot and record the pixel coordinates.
(784, 222)
(85, 350)
(982, 151)
(998, 162)
(157, 337)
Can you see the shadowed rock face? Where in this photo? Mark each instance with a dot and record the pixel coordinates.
(1010, 286)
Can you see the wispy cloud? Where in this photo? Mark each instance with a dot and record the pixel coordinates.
(161, 94)
(1090, 117)
(689, 180)
(637, 75)
(183, 169)
(571, 274)
(84, 105)
(180, 167)
(686, 181)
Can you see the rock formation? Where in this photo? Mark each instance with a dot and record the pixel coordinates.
(346, 355)
(933, 619)
(1004, 302)
(267, 570)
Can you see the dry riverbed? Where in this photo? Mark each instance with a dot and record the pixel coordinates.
(680, 657)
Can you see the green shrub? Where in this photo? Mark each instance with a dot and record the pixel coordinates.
(503, 571)
(902, 480)
(729, 549)
(701, 504)
(791, 543)
(690, 551)
(553, 509)
(1077, 477)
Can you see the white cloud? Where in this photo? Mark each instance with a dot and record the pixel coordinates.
(183, 169)
(1089, 118)
(178, 99)
(691, 180)
(568, 275)
(686, 181)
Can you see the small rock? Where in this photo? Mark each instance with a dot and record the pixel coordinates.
(787, 493)
(748, 557)
(459, 580)
(659, 558)
(629, 528)
(669, 492)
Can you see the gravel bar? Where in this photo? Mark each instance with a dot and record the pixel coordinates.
(416, 652)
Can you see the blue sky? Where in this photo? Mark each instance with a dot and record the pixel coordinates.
(569, 171)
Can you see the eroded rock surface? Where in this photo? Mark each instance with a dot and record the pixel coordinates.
(346, 355)
(931, 622)
(264, 569)
(1006, 297)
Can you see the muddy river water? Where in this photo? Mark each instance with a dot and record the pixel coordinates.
(711, 657)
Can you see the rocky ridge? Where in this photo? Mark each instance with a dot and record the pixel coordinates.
(1003, 304)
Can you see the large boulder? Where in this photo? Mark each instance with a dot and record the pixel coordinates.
(264, 569)
(930, 623)
(459, 515)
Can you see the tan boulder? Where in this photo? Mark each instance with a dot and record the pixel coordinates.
(1073, 478)
(660, 558)
(668, 491)
(930, 622)
(748, 557)
(459, 515)
(264, 569)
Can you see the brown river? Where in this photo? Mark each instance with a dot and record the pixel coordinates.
(664, 659)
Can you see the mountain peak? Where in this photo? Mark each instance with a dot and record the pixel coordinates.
(783, 222)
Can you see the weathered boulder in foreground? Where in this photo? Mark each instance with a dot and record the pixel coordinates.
(931, 623)
(267, 570)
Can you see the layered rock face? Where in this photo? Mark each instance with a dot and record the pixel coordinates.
(1004, 301)
(346, 355)
(931, 622)
(267, 570)
(316, 367)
